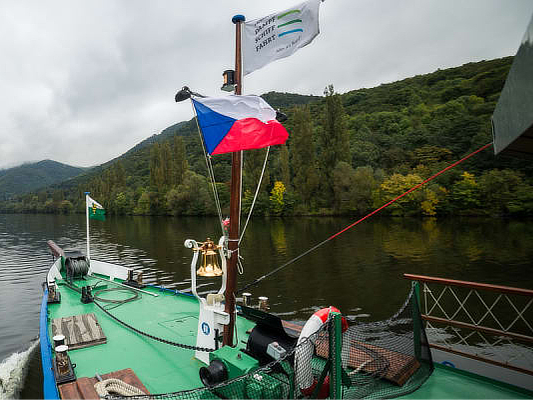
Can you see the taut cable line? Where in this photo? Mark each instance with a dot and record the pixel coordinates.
(255, 282)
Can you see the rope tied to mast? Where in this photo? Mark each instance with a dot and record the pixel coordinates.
(256, 281)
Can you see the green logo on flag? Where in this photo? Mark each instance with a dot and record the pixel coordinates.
(293, 21)
(96, 213)
(279, 35)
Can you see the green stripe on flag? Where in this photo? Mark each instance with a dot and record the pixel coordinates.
(290, 22)
(288, 13)
(97, 213)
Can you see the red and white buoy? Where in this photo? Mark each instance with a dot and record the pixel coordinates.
(305, 349)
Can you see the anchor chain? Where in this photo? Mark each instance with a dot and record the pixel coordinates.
(165, 341)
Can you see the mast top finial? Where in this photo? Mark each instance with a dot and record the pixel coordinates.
(238, 18)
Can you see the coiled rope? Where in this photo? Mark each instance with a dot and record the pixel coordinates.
(118, 303)
(78, 267)
(113, 385)
(255, 282)
(138, 331)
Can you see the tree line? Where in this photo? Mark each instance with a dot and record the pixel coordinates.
(347, 154)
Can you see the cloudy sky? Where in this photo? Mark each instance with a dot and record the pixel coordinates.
(81, 82)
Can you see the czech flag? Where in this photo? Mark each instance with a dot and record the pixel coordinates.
(234, 123)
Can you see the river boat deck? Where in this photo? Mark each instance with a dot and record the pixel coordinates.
(171, 315)
(162, 368)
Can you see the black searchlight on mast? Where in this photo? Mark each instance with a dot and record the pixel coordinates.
(185, 93)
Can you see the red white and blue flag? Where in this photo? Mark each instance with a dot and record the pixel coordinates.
(234, 123)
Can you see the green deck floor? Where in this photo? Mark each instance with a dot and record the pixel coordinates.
(161, 367)
(450, 383)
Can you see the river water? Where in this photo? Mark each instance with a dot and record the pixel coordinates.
(359, 272)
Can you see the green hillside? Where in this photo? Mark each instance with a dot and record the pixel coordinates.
(30, 177)
(346, 154)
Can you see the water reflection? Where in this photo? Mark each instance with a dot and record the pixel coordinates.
(358, 269)
(360, 272)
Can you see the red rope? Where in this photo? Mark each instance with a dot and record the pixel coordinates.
(411, 190)
(255, 282)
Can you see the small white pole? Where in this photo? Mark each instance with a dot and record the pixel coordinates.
(87, 218)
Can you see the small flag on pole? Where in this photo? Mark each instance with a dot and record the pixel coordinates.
(95, 209)
(234, 123)
(279, 35)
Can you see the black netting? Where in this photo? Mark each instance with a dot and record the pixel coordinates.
(388, 358)
(378, 360)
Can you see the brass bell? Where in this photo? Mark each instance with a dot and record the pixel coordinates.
(209, 266)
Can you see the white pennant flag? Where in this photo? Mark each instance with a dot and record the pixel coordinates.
(279, 35)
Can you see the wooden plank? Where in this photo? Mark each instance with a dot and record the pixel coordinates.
(86, 389)
(79, 330)
(400, 366)
(291, 329)
(83, 388)
(69, 391)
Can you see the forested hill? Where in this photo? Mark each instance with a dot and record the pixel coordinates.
(346, 154)
(32, 176)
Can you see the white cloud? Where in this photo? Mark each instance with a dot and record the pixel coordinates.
(105, 72)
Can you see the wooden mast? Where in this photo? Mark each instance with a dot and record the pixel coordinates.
(235, 202)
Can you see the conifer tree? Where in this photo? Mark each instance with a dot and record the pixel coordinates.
(165, 164)
(303, 160)
(154, 163)
(120, 174)
(180, 160)
(285, 166)
(160, 165)
(334, 139)
(253, 164)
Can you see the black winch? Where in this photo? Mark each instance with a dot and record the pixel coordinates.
(76, 264)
